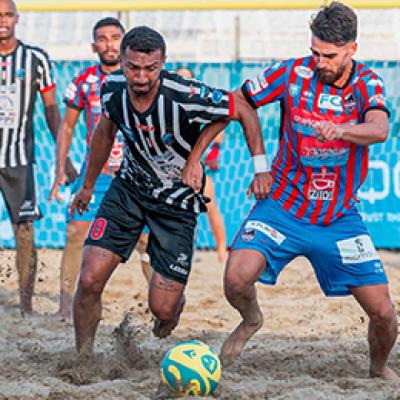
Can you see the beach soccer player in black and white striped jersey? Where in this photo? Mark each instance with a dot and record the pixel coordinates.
(25, 70)
(161, 116)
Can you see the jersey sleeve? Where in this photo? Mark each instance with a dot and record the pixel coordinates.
(73, 96)
(106, 93)
(45, 72)
(370, 93)
(267, 87)
(204, 104)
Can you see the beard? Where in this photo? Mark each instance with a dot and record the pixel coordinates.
(108, 62)
(330, 77)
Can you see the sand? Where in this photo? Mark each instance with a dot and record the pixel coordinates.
(310, 347)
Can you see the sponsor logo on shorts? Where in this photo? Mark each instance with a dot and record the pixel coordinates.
(248, 235)
(178, 269)
(98, 228)
(267, 230)
(357, 250)
(181, 264)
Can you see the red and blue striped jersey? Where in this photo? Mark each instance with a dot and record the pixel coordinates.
(83, 93)
(316, 181)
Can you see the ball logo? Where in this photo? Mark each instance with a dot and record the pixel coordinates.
(98, 229)
(191, 369)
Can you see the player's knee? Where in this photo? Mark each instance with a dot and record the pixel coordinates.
(90, 284)
(234, 285)
(24, 232)
(383, 316)
(163, 311)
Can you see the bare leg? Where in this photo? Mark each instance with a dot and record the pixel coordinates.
(97, 267)
(243, 269)
(215, 219)
(70, 265)
(166, 300)
(141, 247)
(382, 328)
(26, 262)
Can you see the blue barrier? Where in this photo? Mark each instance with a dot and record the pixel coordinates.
(379, 197)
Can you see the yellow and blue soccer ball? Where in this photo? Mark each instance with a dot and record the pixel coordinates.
(191, 368)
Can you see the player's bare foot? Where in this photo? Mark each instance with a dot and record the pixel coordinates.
(387, 374)
(162, 329)
(235, 342)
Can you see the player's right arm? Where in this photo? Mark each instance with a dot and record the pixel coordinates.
(64, 139)
(100, 149)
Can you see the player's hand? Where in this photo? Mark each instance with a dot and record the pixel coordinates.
(260, 186)
(211, 159)
(192, 175)
(327, 130)
(60, 179)
(81, 201)
(70, 171)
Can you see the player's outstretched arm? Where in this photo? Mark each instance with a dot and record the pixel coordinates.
(248, 118)
(100, 148)
(64, 139)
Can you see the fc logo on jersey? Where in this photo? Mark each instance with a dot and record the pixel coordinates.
(330, 102)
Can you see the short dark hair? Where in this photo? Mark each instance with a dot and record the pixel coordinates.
(143, 39)
(107, 22)
(335, 23)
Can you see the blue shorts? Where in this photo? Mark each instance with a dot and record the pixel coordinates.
(342, 253)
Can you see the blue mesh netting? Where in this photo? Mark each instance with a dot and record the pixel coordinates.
(379, 196)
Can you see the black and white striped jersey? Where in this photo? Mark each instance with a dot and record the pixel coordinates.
(158, 142)
(23, 73)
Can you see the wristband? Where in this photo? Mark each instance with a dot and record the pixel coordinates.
(260, 163)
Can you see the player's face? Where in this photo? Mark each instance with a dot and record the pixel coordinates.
(107, 44)
(8, 20)
(332, 60)
(142, 70)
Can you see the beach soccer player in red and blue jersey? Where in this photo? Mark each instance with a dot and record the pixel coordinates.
(332, 108)
(83, 94)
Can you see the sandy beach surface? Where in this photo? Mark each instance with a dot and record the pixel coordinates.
(310, 347)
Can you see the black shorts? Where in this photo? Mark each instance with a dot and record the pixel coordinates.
(119, 222)
(18, 187)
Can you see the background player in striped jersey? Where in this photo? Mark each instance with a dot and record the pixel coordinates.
(161, 115)
(83, 93)
(333, 108)
(211, 167)
(24, 71)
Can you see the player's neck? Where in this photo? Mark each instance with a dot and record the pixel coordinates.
(142, 102)
(107, 69)
(7, 46)
(345, 76)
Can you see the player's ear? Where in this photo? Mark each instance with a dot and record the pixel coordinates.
(353, 48)
(94, 50)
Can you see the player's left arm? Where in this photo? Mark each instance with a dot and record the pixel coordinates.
(374, 129)
(248, 118)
